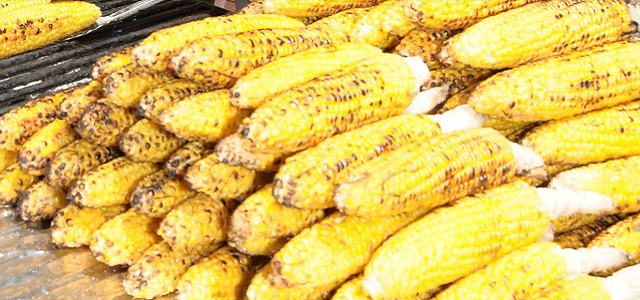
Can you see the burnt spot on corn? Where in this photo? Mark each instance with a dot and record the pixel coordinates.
(128, 84)
(38, 150)
(73, 161)
(14, 182)
(149, 142)
(77, 100)
(103, 123)
(40, 202)
(158, 99)
(158, 193)
(184, 158)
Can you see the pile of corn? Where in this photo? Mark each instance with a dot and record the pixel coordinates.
(255, 157)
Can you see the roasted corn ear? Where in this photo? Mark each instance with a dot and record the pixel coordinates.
(128, 84)
(623, 235)
(157, 194)
(158, 99)
(383, 26)
(7, 158)
(342, 24)
(236, 151)
(13, 182)
(581, 236)
(76, 101)
(425, 43)
(40, 202)
(184, 158)
(73, 226)
(569, 223)
(261, 288)
(311, 8)
(42, 146)
(103, 123)
(109, 64)
(73, 161)
(147, 141)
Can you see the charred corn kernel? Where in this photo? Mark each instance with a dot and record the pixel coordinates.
(592, 137)
(425, 43)
(196, 223)
(455, 14)
(110, 183)
(32, 27)
(352, 290)
(223, 274)
(184, 158)
(158, 99)
(73, 161)
(261, 288)
(7, 158)
(77, 100)
(569, 223)
(40, 202)
(19, 124)
(300, 118)
(308, 179)
(341, 24)
(13, 182)
(219, 61)
(581, 236)
(42, 146)
(103, 123)
(235, 151)
(313, 7)
(261, 217)
(384, 25)
(9, 5)
(555, 28)
(155, 51)
(570, 85)
(457, 79)
(147, 141)
(257, 87)
(427, 174)
(123, 239)
(157, 194)
(580, 288)
(109, 64)
(127, 85)
(73, 226)
(623, 236)
(455, 241)
(206, 117)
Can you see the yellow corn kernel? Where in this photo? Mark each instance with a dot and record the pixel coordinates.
(184, 158)
(425, 43)
(259, 85)
(308, 179)
(73, 226)
(235, 151)
(311, 8)
(455, 241)
(77, 100)
(147, 141)
(7, 158)
(157, 194)
(109, 184)
(155, 51)
(158, 99)
(40, 202)
(206, 117)
(108, 64)
(73, 161)
(352, 290)
(623, 236)
(384, 25)
(32, 27)
(223, 274)
(9, 5)
(103, 123)
(127, 85)
(13, 182)
(593, 137)
(196, 223)
(300, 118)
(458, 80)
(260, 217)
(123, 239)
(42, 146)
(427, 174)
(261, 288)
(583, 287)
(539, 30)
(563, 86)
(342, 24)
(581, 236)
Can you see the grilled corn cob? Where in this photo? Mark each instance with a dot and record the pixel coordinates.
(623, 235)
(38, 150)
(9, 5)
(352, 290)
(127, 85)
(184, 158)
(110, 183)
(158, 99)
(571, 85)
(308, 179)
(260, 217)
(155, 51)
(224, 274)
(73, 226)
(73, 161)
(261, 288)
(13, 182)
(107, 65)
(77, 100)
(456, 79)
(157, 194)
(425, 43)
(311, 8)
(103, 123)
(555, 28)
(383, 26)
(580, 237)
(592, 137)
(7, 158)
(259, 85)
(40, 202)
(342, 24)
(32, 27)
(235, 151)
(123, 239)
(206, 117)
(147, 141)
(569, 223)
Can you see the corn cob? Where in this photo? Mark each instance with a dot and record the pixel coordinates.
(73, 161)
(109, 64)
(261, 288)
(206, 117)
(260, 217)
(459, 164)
(40, 202)
(184, 158)
(77, 100)
(569, 223)
(19, 124)
(235, 151)
(572, 84)
(352, 290)
(9, 5)
(147, 141)
(103, 123)
(455, 241)
(623, 235)
(127, 85)
(224, 274)
(581, 236)
(300, 118)
(13, 182)
(342, 24)
(383, 26)
(42, 146)
(218, 61)
(457, 79)
(592, 137)
(312, 8)
(555, 28)
(196, 223)
(158, 99)
(7, 158)
(123, 239)
(157, 194)
(425, 43)
(222, 181)
(308, 179)
(455, 14)
(259, 85)
(32, 27)
(110, 183)
(155, 51)
(73, 226)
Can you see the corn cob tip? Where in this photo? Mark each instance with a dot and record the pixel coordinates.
(419, 69)
(428, 100)
(460, 118)
(528, 162)
(566, 202)
(589, 260)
